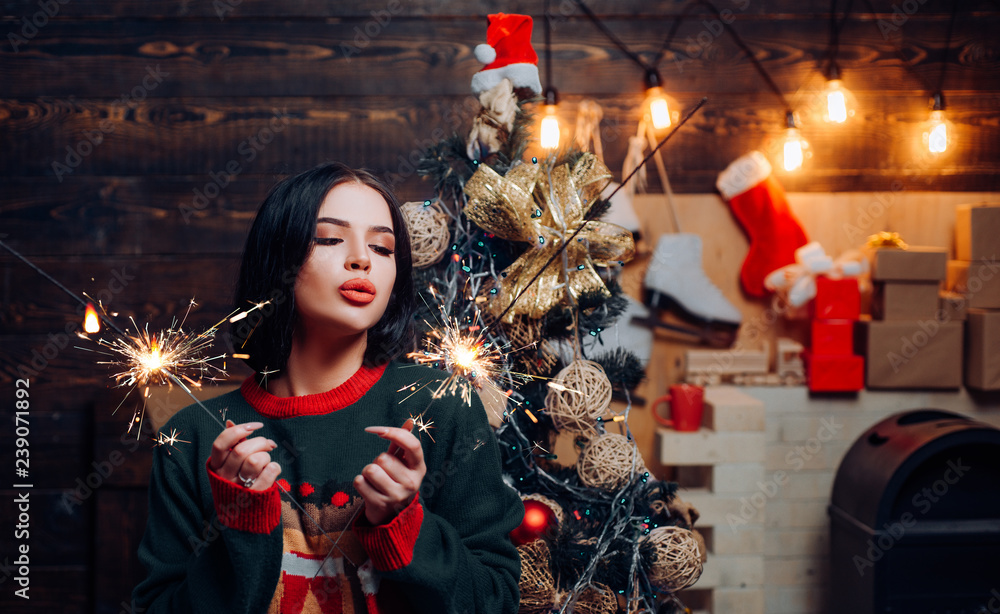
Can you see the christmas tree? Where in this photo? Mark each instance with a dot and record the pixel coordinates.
(517, 278)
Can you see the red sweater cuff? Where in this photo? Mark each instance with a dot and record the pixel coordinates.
(255, 511)
(390, 546)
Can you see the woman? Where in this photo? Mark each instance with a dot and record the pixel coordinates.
(312, 498)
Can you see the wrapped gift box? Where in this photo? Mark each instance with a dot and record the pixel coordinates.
(834, 373)
(951, 306)
(978, 281)
(905, 300)
(982, 350)
(911, 354)
(977, 232)
(836, 299)
(911, 264)
(833, 337)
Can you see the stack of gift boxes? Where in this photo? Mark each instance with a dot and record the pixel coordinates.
(830, 363)
(974, 280)
(914, 338)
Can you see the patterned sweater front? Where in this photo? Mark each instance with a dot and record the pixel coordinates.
(304, 545)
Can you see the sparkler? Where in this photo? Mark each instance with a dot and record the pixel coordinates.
(151, 358)
(162, 439)
(172, 356)
(470, 360)
(422, 426)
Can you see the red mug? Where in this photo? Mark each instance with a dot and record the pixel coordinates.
(686, 403)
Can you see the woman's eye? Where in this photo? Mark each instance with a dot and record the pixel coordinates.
(385, 251)
(327, 241)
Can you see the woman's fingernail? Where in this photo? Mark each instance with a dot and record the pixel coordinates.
(252, 426)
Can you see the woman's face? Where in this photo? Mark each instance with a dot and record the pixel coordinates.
(345, 283)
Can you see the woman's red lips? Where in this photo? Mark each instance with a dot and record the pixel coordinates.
(358, 290)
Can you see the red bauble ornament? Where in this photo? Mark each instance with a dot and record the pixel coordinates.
(538, 520)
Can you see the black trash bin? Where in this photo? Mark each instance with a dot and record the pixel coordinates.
(915, 518)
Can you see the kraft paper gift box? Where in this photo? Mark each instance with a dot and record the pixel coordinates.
(982, 350)
(906, 354)
(977, 232)
(905, 300)
(952, 306)
(978, 281)
(912, 264)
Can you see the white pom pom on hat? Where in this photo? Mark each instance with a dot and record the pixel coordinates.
(485, 54)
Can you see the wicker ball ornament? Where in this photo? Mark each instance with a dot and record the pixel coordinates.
(538, 592)
(595, 599)
(429, 232)
(537, 357)
(676, 563)
(609, 461)
(577, 396)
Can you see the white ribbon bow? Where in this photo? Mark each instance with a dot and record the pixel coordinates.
(796, 283)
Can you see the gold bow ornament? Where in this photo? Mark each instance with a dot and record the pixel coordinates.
(545, 209)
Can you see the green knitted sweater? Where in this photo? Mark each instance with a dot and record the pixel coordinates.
(304, 545)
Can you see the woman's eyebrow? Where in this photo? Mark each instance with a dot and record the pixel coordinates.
(346, 224)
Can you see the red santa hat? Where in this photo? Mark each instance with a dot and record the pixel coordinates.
(507, 54)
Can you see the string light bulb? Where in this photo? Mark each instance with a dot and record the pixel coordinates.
(936, 135)
(550, 122)
(793, 146)
(839, 100)
(656, 101)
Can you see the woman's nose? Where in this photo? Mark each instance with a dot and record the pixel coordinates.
(358, 260)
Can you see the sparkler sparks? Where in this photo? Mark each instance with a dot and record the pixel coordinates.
(171, 356)
(470, 360)
(151, 358)
(422, 426)
(162, 439)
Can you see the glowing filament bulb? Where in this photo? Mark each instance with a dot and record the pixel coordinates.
(792, 152)
(836, 103)
(659, 111)
(91, 323)
(937, 136)
(550, 128)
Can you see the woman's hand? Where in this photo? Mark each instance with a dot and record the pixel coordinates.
(389, 484)
(244, 461)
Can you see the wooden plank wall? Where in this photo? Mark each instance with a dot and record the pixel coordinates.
(116, 116)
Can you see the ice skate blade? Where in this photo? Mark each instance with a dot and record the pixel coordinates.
(714, 335)
(660, 300)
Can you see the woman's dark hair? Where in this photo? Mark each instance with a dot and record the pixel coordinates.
(279, 242)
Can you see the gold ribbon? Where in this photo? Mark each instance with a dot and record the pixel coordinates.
(544, 209)
(886, 239)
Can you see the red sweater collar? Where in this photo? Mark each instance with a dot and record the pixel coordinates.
(311, 404)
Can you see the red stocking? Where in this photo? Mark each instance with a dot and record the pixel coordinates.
(758, 202)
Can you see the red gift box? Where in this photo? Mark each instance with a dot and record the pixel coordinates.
(833, 337)
(836, 299)
(835, 373)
